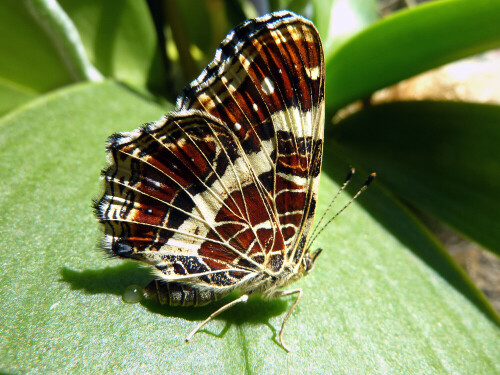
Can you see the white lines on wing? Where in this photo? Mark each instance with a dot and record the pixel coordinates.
(313, 73)
(259, 161)
(246, 60)
(267, 224)
(195, 275)
(176, 243)
(155, 254)
(204, 98)
(302, 181)
(222, 187)
(302, 189)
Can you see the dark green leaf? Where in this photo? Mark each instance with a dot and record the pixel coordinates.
(37, 55)
(442, 157)
(205, 24)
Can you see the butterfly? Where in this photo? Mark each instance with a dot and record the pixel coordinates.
(220, 195)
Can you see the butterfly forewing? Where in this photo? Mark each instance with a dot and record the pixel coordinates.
(267, 84)
(223, 191)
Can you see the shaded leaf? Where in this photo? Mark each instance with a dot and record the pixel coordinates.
(34, 56)
(441, 156)
(120, 39)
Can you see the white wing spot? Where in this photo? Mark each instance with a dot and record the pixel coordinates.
(313, 73)
(237, 126)
(267, 86)
(255, 107)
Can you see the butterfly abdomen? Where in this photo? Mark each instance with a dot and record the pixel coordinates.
(175, 294)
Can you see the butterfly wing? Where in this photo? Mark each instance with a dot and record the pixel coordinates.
(267, 83)
(223, 189)
(167, 186)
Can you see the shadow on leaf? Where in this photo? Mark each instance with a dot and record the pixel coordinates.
(114, 280)
(109, 280)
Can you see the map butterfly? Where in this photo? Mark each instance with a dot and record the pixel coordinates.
(220, 195)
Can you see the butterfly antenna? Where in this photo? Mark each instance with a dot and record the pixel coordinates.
(368, 181)
(351, 173)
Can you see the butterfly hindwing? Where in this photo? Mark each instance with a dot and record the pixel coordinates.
(172, 189)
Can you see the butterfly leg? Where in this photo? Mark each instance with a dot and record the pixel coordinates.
(243, 298)
(284, 294)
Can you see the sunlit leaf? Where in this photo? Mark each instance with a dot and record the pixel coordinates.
(408, 43)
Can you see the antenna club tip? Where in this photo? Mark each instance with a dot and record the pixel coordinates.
(371, 177)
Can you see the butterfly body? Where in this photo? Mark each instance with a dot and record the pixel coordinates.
(266, 284)
(220, 195)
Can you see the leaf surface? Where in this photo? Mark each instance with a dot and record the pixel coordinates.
(370, 305)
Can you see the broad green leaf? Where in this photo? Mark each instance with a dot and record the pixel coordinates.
(120, 39)
(13, 94)
(408, 43)
(370, 306)
(441, 156)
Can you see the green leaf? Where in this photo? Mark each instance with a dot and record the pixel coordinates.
(335, 20)
(408, 43)
(120, 39)
(194, 31)
(442, 157)
(205, 25)
(370, 305)
(40, 51)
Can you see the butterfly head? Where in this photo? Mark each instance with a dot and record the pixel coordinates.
(309, 260)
